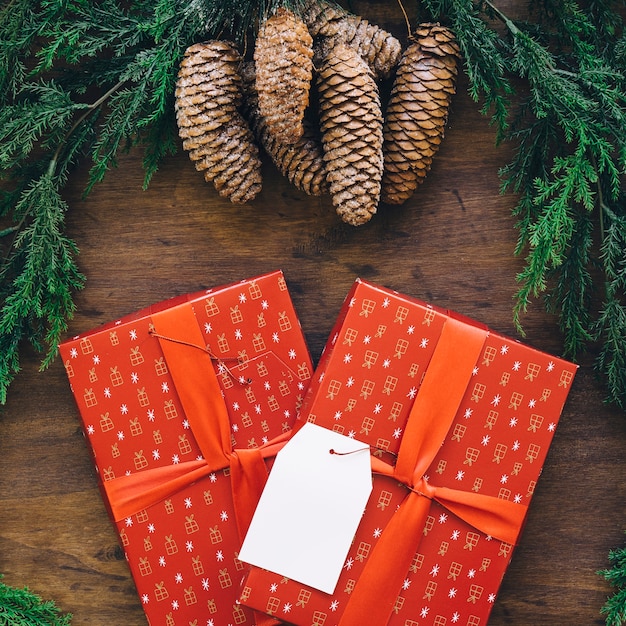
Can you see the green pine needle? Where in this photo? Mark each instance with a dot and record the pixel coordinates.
(615, 607)
(21, 607)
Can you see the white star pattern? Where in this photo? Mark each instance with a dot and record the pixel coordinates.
(410, 330)
(186, 424)
(151, 528)
(397, 433)
(455, 535)
(386, 363)
(205, 584)
(145, 598)
(460, 474)
(90, 429)
(443, 518)
(189, 546)
(406, 584)
(333, 605)
(257, 409)
(134, 377)
(224, 516)
(513, 422)
(532, 403)
(516, 445)
(188, 503)
(349, 563)
(412, 392)
(238, 334)
(162, 561)
(165, 387)
(156, 455)
(123, 409)
(267, 386)
(517, 498)
(287, 607)
(550, 367)
(219, 556)
(475, 370)
(504, 349)
(485, 440)
(175, 459)
(452, 593)
(96, 359)
(129, 521)
(265, 305)
(337, 416)
(235, 408)
(435, 570)
(275, 338)
(74, 353)
(471, 573)
(491, 598)
(132, 334)
(455, 617)
(273, 588)
(551, 427)
(424, 611)
(213, 477)
(292, 354)
(352, 434)
(496, 400)
(107, 392)
(178, 578)
(367, 339)
(150, 414)
(516, 366)
(242, 297)
(120, 435)
(175, 605)
(378, 408)
(386, 302)
(504, 479)
(424, 342)
(467, 414)
(207, 328)
(377, 533)
(350, 382)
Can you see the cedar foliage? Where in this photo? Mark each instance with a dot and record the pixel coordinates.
(614, 608)
(21, 607)
(82, 80)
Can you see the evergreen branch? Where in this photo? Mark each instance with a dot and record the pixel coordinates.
(615, 607)
(21, 607)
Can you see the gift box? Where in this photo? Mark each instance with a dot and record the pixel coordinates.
(181, 404)
(458, 419)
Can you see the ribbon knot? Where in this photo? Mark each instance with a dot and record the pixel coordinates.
(433, 412)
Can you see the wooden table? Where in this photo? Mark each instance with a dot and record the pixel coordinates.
(451, 245)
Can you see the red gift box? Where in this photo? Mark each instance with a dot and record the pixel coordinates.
(181, 404)
(459, 420)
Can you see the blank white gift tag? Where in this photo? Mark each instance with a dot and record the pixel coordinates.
(310, 508)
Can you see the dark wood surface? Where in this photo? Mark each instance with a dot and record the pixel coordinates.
(451, 245)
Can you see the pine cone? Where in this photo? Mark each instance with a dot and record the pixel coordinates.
(417, 111)
(219, 142)
(351, 123)
(283, 56)
(301, 162)
(332, 25)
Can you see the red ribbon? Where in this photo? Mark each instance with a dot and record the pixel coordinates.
(432, 414)
(201, 397)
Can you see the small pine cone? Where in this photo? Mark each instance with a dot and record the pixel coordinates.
(352, 133)
(417, 111)
(333, 25)
(301, 162)
(219, 142)
(283, 56)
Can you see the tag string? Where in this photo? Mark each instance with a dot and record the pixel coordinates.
(219, 360)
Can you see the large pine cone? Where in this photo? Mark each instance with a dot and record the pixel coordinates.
(283, 56)
(301, 162)
(332, 25)
(208, 92)
(417, 111)
(351, 122)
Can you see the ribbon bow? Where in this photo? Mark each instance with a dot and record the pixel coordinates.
(432, 414)
(200, 394)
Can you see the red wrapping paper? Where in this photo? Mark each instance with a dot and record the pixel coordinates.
(180, 403)
(460, 420)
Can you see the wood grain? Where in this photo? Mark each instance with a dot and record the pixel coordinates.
(451, 245)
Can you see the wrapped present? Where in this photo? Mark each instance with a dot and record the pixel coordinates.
(181, 404)
(458, 419)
